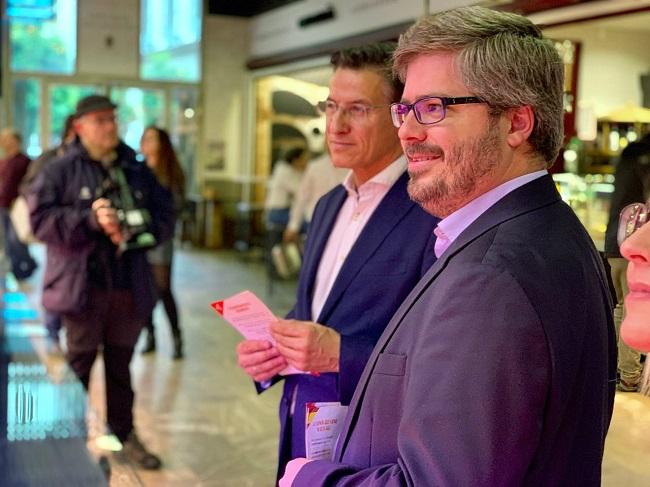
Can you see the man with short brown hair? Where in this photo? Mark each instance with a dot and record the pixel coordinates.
(368, 244)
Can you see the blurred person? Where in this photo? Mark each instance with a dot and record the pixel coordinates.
(500, 367)
(12, 170)
(282, 190)
(68, 135)
(319, 178)
(160, 156)
(97, 275)
(53, 322)
(368, 245)
(635, 248)
(631, 184)
(283, 186)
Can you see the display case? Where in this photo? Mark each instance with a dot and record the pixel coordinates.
(589, 196)
(615, 131)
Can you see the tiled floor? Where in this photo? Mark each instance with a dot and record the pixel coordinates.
(204, 418)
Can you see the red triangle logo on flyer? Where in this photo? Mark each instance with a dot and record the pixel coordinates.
(218, 307)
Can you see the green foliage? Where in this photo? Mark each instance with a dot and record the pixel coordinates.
(164, 65)
(63, 101)
(32, 49)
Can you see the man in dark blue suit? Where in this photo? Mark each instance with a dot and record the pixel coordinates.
(368, 245)
(499, 369)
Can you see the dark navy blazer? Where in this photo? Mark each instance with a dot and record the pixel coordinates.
(60, 201)
(391, 254)
(499, 368)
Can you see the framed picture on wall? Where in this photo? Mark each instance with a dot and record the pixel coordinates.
(215, 160)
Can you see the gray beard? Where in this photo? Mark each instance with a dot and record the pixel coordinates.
(466, 165)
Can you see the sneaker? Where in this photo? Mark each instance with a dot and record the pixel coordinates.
(134, 451)
(625, 386)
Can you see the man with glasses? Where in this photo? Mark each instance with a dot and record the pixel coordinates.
(499, 367)
(96, 278)
(368, 245)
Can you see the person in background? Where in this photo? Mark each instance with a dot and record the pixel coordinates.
(283, 186)
(68, 135)
(635, 248)
(97, 275)
(631, 184)
(319, 178)
(368, 245)
(53, 321)
(159, 154)
(499, 368)
(13, 168)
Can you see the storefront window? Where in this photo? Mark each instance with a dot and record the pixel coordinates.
(184, 131)
(63, 101)
(26, 101)
(43, 35)
(138, 108)
(170, 37)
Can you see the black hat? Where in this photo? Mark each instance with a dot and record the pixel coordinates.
(93, 103)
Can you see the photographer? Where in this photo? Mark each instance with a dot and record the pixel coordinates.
(99, 210)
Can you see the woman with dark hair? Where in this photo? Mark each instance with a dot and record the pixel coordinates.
(159, 154)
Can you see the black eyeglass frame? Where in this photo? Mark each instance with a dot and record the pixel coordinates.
(445, 101)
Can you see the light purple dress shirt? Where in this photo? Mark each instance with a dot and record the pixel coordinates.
(448, 229)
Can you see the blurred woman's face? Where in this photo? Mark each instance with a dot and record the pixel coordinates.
(635, 329)
(150, 146)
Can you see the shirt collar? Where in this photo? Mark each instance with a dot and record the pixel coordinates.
(386, 177)
(453, 225)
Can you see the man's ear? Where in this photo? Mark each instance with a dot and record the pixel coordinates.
(77, 126)
(522, 122)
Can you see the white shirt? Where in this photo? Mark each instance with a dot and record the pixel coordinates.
(351, 220)
(283, 185)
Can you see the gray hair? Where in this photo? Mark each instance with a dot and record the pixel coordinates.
(503, 59)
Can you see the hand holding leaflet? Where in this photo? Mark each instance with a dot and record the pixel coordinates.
(250, 317)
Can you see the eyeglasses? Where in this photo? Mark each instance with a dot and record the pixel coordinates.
(429, 109)
(99, 119)
(356, 111)
(632, 218)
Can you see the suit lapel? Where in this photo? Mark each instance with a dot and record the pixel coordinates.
(534, 195)
(388, 213)
(320, 234)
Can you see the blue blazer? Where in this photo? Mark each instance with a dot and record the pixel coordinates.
(390, 256)
(499, 368)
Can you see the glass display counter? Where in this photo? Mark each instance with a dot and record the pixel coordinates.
(589, 196)
(43, 428)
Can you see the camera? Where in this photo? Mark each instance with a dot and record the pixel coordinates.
(134, 222)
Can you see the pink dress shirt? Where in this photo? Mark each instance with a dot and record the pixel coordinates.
(352, 218)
